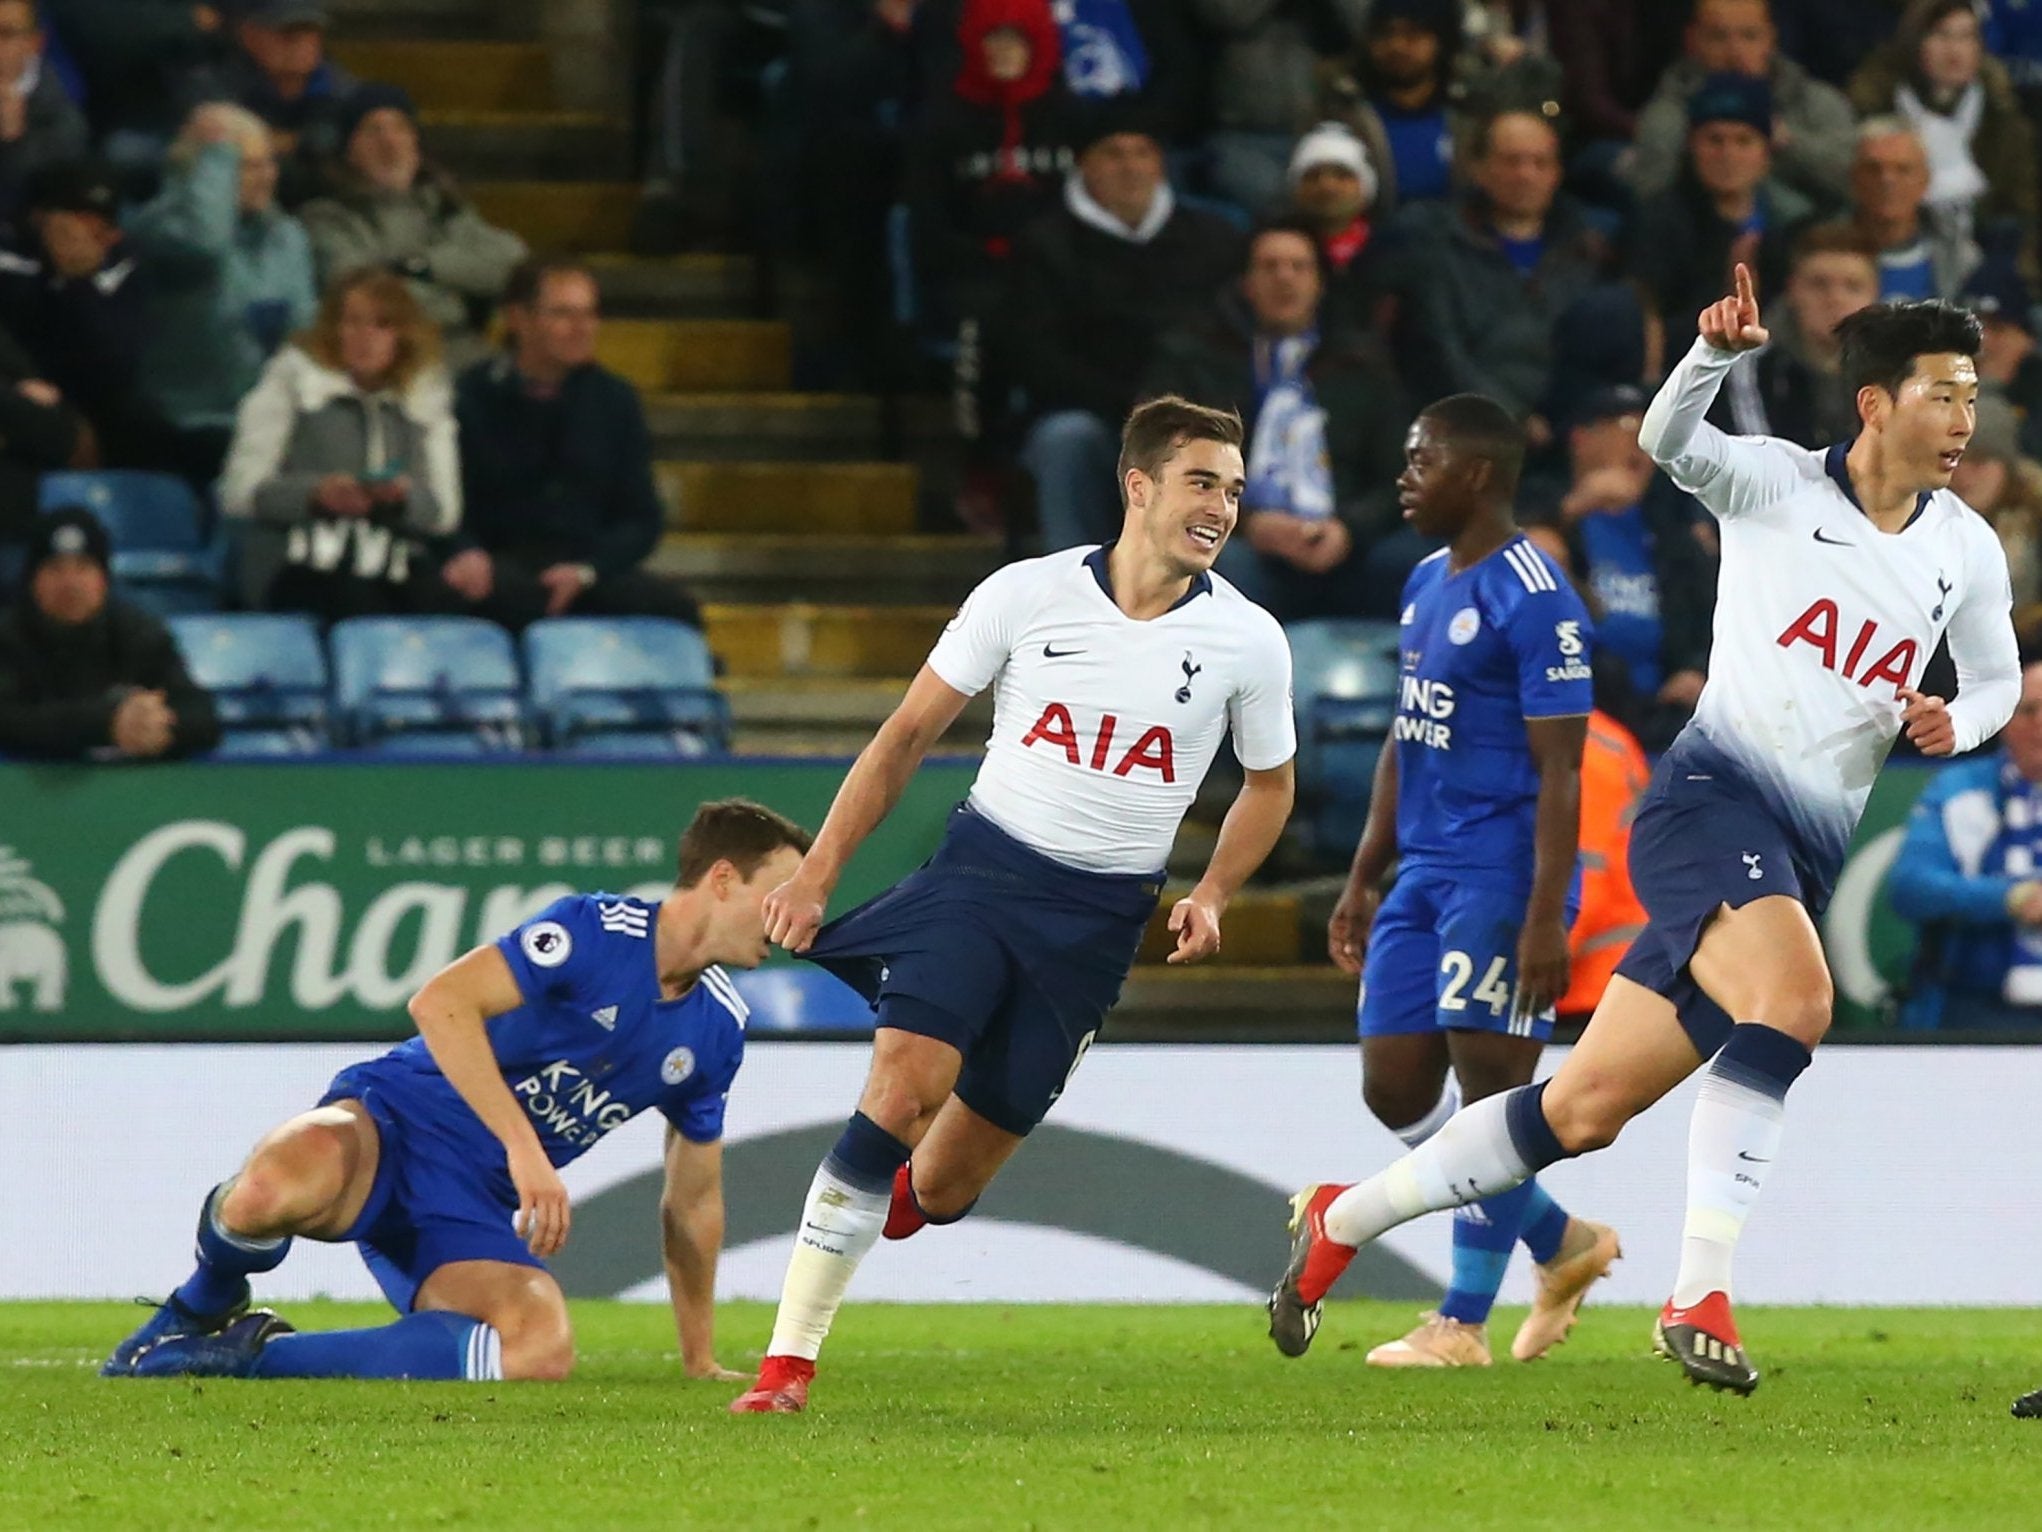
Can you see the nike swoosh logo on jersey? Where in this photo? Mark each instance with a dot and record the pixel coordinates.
(1834, 542)
(1058, 654)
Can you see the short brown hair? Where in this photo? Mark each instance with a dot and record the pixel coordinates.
(737, 831)
(529, 277)
(418, 338)
(1837, 238)
(1158, 427)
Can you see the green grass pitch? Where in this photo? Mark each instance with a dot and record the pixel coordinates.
(1053, 1417)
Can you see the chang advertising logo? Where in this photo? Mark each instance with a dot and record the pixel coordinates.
(33, 959)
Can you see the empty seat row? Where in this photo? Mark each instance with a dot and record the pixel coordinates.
(633, 686)
(1345, 681)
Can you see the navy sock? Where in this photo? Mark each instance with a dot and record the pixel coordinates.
(428, 1344)
(1762, 1058)
(1524, 1115)
(866, 1156)
(1545, 1224)
(1484, 1234)
(226, 1261)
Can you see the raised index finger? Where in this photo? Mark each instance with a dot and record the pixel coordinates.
(1745, 294)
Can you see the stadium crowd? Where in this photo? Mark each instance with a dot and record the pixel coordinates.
(224, 259)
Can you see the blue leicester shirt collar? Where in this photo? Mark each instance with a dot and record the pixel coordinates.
(1833, 464)
(1201, 583)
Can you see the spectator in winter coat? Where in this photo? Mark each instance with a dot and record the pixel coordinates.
(1096, 284)
(85, 675)
(39, 431)
(1266, 85)
(138, 60)
(989, 156)
(1333, 189)
(232, 275)
(1813, 121)
(278, 69)
(343, 463)
(1726, 208)
(1919, 256)
(77, 298)
(556, 465)
(1969, 873)
(392, 210)
(1325, 420)
(1408, 54)
(1936, 76)
(1794, 388)
(1490, 275)
(39, 124)
(2004, 485)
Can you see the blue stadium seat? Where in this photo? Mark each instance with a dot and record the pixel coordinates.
(798, 998)
(161, 557)
(1346, 678)
(624, 675)
(621, 744)
(267, 674)
(440, 685)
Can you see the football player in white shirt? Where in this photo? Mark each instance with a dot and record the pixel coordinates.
(1841, 571)
(1117, 672)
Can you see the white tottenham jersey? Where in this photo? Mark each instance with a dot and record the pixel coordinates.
(1821, 618)
(1103, 727)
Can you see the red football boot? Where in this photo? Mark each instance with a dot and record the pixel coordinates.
(1703, 1339)
(903, 1216)
(1316, 1262)
(782, 1388)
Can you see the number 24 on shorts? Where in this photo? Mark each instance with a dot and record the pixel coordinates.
(1459, 968)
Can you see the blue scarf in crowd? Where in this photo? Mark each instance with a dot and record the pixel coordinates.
(2020, 844)
(1103, 52)
(1288, 465)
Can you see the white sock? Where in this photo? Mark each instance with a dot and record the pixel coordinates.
(1415, 1133)
(839, 1224)
(1470, 1158)
(1733, 1139)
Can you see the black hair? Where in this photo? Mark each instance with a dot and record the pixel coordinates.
(1880, 343)
(1480, 427)
(529, 277)
(1288, 223)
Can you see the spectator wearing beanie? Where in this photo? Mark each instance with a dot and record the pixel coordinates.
(1334, 190)
(393, 210)
(85, 675)
(1726, 208)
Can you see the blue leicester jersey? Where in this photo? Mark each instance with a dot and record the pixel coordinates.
(1483, 649)
(593, 1044)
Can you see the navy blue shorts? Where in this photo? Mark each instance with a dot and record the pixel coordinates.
(1014, 959)
(433, 1201)
(1442, 956)
(1701, 842)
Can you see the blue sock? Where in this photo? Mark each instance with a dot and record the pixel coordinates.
(1545, 1224)
(226, 1261)
(866, 1156)
(428, 1344)
(1484, 1234)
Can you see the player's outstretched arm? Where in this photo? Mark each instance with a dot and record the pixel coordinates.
(451, 1011)
(691, 1236)
(794, 910)
(1354, 915)
(1248, 834)
(1728, 474)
